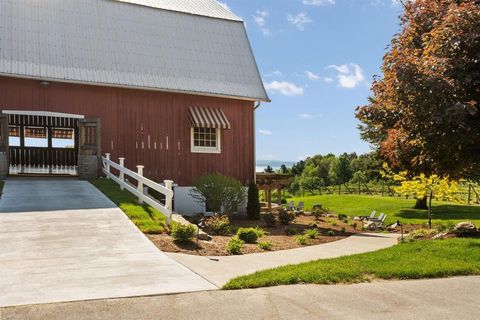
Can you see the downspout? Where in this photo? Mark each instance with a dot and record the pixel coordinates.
(255, 107)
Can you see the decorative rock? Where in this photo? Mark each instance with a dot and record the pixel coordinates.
(465, 228)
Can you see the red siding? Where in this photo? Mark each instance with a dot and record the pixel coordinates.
(130, 116)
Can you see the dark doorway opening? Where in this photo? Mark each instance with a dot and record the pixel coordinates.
(43, 144)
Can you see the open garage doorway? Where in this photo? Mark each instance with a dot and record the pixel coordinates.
(42, 143)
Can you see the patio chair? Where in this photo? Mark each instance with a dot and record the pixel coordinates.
(372, 216)
(291, 205)
(301, 206)
(381, 217)
(377, 223)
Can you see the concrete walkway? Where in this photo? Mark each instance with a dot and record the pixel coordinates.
(439, 299)
(63, 240)
(219, 270)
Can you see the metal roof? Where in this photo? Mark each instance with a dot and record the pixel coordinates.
(208, 8)
(112, 43)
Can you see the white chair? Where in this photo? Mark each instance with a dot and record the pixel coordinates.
(291, 205)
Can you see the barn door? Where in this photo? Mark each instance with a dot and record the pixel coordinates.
(89, 151)
(4, 163)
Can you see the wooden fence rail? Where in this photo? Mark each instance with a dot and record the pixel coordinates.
(142, 182)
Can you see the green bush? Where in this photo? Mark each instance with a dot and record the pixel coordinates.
(301, 239)
(311, 233)
(235, 245)
(249, 235)
(354, 225)
(269, 219)
(253, 202)
(344, 230)
(285, 216)
(260, 232)
(291, 231)
(218, 224)
(222, 194)
(330, 233)
(342, 216)
(183, 233)
(265, 245)
(319, 211)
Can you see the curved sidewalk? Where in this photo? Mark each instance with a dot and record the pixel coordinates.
(219, 270)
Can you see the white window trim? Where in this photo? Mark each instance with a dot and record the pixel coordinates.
(217, 149)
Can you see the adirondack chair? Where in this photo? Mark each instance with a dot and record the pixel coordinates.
(291, 205)
(301, 206)
(377, 223)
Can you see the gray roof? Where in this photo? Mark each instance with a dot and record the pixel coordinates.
(194, 46)
(208, 8)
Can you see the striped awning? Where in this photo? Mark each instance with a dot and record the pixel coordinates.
(208, 118)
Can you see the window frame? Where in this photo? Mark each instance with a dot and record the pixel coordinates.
(215, 150)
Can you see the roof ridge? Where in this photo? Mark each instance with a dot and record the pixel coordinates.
(206, 8)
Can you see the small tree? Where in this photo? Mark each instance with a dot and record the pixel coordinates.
(219, 193)
(253, 203)
(269, 169)
(425, 187)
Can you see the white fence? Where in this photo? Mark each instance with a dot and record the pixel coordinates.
(142, 182)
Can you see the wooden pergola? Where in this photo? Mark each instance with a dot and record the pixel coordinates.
(269, 182)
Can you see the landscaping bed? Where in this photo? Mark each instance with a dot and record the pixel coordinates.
(277, 236)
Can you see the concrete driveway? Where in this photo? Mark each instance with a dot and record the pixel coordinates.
(438, 299)
(63, 240)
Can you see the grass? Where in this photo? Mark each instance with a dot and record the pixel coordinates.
(422, 259)
(146, 218)
(395, 208)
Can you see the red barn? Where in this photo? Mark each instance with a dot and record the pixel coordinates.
(168, 84)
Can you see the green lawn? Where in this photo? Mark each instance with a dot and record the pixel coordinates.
(146, 218)
(395, 208)
(422, 259)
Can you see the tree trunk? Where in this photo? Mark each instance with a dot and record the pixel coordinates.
(421, 204)
(430, 211)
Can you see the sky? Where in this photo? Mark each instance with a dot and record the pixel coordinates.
(317, 59)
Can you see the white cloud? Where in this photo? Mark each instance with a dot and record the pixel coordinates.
(260, 19)
(269, 157)
(328, 79)
(304, 157)
(275, 73)
(318, 2)
(308, 116)
(311, 75)
(349, 76)
(284, 88)
(265, 132)
(300, 20)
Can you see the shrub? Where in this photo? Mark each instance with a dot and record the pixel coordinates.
(249, 235)
(301, 239)
(344, 230)
(253, 202)
(313, 224)
(354, 225)
(219, 192)
(183, 233)
(269, 219)
(260, 232)
(235, 245)
(334, 223)
(342, 216)
(265, 245)
(218, 224)
(330, 233)
(285, 216)
(311, 233)
(318, 212)
(291, 231)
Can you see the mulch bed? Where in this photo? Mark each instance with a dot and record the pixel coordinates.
(277, 237)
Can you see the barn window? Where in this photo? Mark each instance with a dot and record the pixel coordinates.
(206, 140)
(206, 125)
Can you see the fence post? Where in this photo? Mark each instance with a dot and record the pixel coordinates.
(140, 183)
(168, 198)
(107, 166)
(122, 175)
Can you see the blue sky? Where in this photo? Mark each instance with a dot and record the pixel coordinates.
(317, 59)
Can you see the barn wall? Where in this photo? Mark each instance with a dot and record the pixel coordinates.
(146, 127)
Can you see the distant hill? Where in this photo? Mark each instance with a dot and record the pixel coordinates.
(275, 164)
